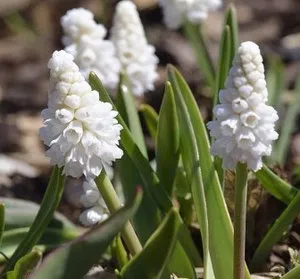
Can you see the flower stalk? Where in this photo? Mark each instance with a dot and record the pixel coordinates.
(113, 204)
(240, 213)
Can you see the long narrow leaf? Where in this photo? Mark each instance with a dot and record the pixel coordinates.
(190, 158)
(167, 141)
(282, 145)
(293, 274)
(21, 213)
(224, 62)
(219, 222)
(146, 218)
(276, 186)
(25, 265)
(74, 259)
(232, 22)
(126, 104)
(184, 235)
(223, 68)
(275, 232)
(50, 202)
(50, 238)
(275, 81)
(195, 36)
(151, 119)
(150, 263)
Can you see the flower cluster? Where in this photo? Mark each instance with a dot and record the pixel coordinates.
(96, 209)
(244, 125)
(81, 131)
(135, 54)
(84, 39)
(195, 11)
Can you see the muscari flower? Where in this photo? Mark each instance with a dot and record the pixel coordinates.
(177, 11)
(84, 39)
(244, 125)
(137, 57)
(96, 210)
(81, 131)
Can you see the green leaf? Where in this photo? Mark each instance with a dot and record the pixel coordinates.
(224, 62)
(190, 158)
(180, 264)
(232, 22)
(151, 262)
(146, 218)
(50, 238)
(68, 261)
(151, 184)
(275, 80)
(195, 36)
(293, 274)
(151, 119)
(282, 146)
(2, 221)
(167, 141)
(223, 68)
(50, 202)
(21, 213)
(275, 185)
(127, 107)
(25, 265)
(119, 253)
(275, 233)
(219, 222)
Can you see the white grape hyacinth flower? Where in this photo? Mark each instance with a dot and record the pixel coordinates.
(244, 128)
(92, 216)
(92, 200)
(81, 132)
(195, 11)
(84, 39)
(137, 57)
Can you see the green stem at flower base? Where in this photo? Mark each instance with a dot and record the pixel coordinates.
(112, 201)
(240, 221)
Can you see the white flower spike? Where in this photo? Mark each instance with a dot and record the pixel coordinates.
(244, 125)
(177, 11)
(81, 131)
(84, 39)
(137, 57)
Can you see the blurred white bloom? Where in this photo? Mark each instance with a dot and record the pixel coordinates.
(84, 39)
(81, 131)
(92, 216)
(244, 125)
(137, 57)
(177, 11)
(90, 194)
(97, 211)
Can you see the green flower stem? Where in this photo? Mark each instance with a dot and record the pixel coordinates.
(194, 34)
(113, 204)
(240, 221)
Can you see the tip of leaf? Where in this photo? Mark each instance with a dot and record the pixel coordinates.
(92, 75)
(170, 67)
(231, 7)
